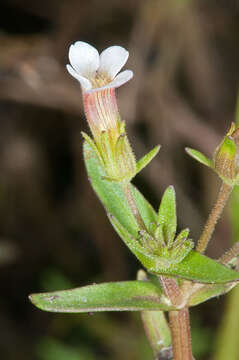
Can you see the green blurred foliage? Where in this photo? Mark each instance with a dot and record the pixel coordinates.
(51, 349)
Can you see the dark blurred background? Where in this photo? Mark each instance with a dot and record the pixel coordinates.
(53, 231)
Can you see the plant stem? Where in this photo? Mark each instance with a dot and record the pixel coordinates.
(133, 207)
(230, 254)
(181, 335)
(171, 290)
(215, 214)
(179, 321)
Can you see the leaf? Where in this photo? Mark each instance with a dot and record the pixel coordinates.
(112, 196)
(206, 292)
(118, 296)
(202, 269)
(197, 155)
(167, 215)
(194, 266)
(146, 159)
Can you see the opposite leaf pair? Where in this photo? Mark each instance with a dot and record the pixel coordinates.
(188, 264)
(209, 278)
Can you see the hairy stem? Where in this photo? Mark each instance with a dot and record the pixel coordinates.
(181, 334)
(179, 321)
(133, 207)
(213, 217)
(171, 290)
(230, 254)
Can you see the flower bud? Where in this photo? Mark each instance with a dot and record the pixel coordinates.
(226, 156)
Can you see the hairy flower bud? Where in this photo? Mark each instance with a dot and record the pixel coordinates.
(226, 157)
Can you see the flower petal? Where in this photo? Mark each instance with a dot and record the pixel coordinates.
(84, 58)
(119, 80)
(85, 83)
(112, 60)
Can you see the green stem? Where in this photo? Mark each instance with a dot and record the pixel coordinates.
(133, 207)
(215, 214)
(181, 334)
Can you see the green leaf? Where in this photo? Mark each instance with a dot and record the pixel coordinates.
(118, 296)
(167, 215)
(145, 160)
(206, 292)
(194, 266)
(112, 196)
(202, 269)
(197, 155)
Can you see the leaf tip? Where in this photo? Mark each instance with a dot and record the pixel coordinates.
(32, 299)
(171, 189)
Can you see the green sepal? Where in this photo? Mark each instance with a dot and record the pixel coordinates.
(224, 160)
(115, 296)
(146, 159)
(228, 147)
(181, 236)
(92, 144)
(197, 155)
(194, 266)
(167, 215)
(126, 163)
(107, 153)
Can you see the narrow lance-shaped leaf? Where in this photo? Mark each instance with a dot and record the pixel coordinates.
(118, 296)
(146, 159)
(197, 155)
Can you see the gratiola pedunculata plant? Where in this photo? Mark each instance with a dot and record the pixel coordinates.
(176, 277)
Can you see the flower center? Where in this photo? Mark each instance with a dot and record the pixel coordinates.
(99, 80)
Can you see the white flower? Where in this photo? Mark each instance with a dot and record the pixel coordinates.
(97, 72)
